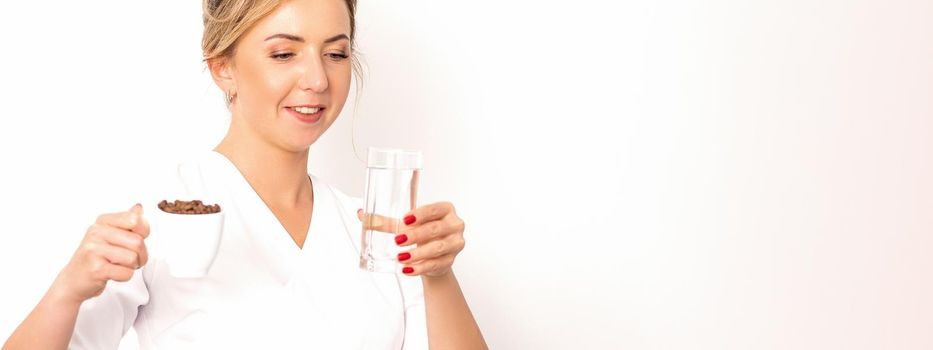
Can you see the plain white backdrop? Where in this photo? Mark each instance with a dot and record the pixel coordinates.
(634, 175)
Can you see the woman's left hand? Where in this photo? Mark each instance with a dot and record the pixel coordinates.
(435, 228)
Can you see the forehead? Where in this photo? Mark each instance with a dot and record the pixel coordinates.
(315, 20)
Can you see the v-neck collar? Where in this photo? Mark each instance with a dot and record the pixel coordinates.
(264, 230)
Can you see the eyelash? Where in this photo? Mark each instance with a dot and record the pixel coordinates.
(334, 56)
(339, 56)
(276, 56)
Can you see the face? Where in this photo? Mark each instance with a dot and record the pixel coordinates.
(291, 73)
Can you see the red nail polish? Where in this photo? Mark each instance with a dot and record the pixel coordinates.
(409, 219)
(408, 270)
(401, 239)
(404, 256)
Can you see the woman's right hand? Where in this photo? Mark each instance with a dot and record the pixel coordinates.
(112, 249)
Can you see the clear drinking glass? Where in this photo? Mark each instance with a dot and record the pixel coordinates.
(391, 191)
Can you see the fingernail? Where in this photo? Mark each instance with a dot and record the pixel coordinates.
(401, 239)
(409, 219)
(408, 270)
(359, 211)
(404, 256)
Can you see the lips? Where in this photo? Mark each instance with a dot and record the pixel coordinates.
(309, 114)
(306, 109)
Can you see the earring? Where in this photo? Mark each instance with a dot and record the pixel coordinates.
(229, 96)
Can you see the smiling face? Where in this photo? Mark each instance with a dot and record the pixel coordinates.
(290, 73)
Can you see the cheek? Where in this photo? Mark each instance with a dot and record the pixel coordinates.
(339, 83)
(266, 88)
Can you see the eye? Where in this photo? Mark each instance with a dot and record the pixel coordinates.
(337, 56)
(282, 56)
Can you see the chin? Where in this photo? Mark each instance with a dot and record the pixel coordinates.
(301, 142)
(300, 139)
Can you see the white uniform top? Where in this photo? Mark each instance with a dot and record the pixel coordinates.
(262, 291)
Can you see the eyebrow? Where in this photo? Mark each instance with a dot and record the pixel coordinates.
(301, 40)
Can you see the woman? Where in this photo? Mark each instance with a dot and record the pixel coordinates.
(286, 274)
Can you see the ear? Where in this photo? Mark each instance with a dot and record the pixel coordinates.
(222, 73)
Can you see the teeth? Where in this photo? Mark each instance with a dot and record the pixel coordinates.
(306, 110)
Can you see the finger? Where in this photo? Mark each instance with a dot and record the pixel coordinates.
(432, 250)
(377, 222)
(127, 220)
(114, 254)
(425, 233)
(428, 213)
(142, 227)
(118, 273)
(429, 267)
(125, 239)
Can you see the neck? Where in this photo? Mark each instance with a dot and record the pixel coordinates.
(279, 176)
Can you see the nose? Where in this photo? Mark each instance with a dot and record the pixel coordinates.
(314, 77)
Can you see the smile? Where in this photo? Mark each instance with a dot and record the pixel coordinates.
(307, 114)
(306, 110)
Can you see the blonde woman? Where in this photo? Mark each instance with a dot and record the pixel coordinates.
(286, 274)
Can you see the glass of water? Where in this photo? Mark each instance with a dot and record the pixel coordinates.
(391, 191)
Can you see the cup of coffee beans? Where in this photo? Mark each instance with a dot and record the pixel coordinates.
(189, 233)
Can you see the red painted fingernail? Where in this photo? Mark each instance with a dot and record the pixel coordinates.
(401, 239)
(408, 270)
(404, 256)
(409, 219)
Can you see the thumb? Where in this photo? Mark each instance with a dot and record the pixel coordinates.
(142, 226)
(377, 222)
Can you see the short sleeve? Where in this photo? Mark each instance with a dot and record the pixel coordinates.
(103, 320)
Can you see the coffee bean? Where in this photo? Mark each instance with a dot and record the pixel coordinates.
(195, 207)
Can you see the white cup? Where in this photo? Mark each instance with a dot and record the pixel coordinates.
(188, 242)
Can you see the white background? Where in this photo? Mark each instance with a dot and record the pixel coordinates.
(633, 175)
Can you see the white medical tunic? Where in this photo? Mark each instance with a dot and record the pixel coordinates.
(262, 291)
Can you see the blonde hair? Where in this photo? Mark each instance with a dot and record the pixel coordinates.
(225, 21)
